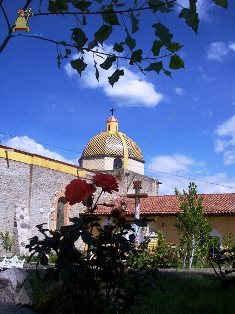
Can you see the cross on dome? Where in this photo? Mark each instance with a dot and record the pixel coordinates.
(112, 110)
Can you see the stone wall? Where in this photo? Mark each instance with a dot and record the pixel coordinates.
(26, 194)
(29, 195)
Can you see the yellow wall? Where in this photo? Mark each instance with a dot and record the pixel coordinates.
(166, 224)
(41, 161)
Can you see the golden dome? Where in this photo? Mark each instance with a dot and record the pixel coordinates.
(111, 143)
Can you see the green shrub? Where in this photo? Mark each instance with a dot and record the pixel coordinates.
(164, 256)
(7, 241)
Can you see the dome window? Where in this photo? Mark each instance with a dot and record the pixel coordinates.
(117, 163)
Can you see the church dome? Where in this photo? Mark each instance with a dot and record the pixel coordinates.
(112, 144)
(111, 150)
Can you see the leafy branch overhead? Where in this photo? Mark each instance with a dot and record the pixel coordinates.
(128, 28)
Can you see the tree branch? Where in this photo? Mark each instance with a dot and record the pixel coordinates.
(27, 4)
(106, 11)
(6, 17)
(62, 43)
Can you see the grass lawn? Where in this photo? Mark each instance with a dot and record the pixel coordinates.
(189, 295)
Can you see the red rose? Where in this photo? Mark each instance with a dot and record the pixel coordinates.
(78, 190)
(106, 181)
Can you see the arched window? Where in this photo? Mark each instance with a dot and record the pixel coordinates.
(117, 163)
(60, 212)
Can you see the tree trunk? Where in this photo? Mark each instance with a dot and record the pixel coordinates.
(193, 252)
(184, 261)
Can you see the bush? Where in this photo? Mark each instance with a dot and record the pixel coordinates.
(98, 280)
(7, 241)
(164, 256)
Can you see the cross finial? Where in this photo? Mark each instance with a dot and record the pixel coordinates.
(112, 111)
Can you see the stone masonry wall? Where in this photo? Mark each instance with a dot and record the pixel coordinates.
(27, 194)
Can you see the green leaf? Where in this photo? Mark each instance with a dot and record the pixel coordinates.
(136, 56)
(130, 42)
(87, 238)
(79, 37)
(118, 47)
(134, 23)
(110, 17)
(157, 45)
(191, 17)
(68, 51)
(115, 76)
(59, 60)
(84, 21)
(79, 65)
(156, 66)
(97, 74)
(163, 33)
(57, 6)
(108, 62)
(168, 73)
(92, 44)
(176, 62)
(173, 47)
(158, 5)
(82, 5)
(222, 3)
(103, 33)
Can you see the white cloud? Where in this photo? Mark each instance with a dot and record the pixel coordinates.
(232, 46)
(179, 91)
(226, 140)
(177, 171)
(227, 128)
(219, 50)
(29, 145)
(130, 90)
(176, 163)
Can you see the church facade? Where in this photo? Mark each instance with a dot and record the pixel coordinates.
(32, 186)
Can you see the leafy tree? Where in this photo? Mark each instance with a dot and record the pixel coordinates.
(192, 225)
(120, 25)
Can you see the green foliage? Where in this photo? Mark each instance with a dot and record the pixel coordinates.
(100, 274)
(7, 241)
(164, 256)
(228, 240)
(115, 76)
(223, 263)
(190, 15)
(192, 225)
(79, 65)
(99, 22)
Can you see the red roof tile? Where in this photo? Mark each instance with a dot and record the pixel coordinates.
(214, 204)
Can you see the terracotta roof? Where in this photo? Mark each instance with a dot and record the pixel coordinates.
(214, 204)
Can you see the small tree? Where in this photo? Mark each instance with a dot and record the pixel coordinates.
(192, 225)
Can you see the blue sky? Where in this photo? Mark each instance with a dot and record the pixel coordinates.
(184, 126)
